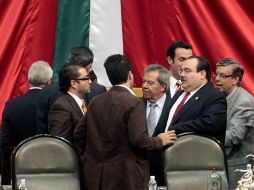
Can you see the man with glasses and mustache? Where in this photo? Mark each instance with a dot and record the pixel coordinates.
(67, 110)
(199, 107)
(240, 116)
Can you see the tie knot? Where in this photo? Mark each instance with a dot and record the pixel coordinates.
(153, 105)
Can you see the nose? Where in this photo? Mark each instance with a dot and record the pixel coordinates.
(217, 78)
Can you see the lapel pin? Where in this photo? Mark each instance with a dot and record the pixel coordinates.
(196, 98)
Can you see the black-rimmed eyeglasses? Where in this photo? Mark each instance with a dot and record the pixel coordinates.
(221, 75)
(85, 78)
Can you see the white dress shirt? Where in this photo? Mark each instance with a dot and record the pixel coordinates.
(127, 88)
(180, 98)
(78, 100)
(158, 109)
(172, 85)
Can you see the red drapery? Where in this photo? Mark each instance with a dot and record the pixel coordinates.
(27, 34)
(216, 29)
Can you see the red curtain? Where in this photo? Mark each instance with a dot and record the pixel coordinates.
(27, 31)
(216, 29)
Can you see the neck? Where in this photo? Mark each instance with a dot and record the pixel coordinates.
(76, 93)
(127, 84)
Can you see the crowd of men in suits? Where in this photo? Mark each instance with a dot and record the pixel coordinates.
(118, 132)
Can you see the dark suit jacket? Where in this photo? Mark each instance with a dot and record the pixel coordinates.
(154, 156)
(18, 123)
(205, 113)
(63, 117)
(114, 134)
(47, 97)
(96, 89)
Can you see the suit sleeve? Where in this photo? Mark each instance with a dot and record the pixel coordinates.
(212, 117)
(60, 121)
(137, 130)
(80, 133)
(7, 145)
(241, 119)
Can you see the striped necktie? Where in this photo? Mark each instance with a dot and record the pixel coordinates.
(151, 123)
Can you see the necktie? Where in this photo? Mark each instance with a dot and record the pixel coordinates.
(179, 107)
(151, 123)
(84, 107)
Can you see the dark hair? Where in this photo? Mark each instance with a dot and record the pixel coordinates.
(92, 76)
(203, 64)
(237, 68)
(117, 68)
(81, 55)
(178, 44)
(66, 74)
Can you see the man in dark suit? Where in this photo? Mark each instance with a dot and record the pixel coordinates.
(114, 136)
(154, 87)
(79, 55)
(177, 52)
(200, 107)
(96, 89)
(19, 115)
(65, 113)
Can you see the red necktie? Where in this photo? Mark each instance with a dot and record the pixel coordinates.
(179, 107)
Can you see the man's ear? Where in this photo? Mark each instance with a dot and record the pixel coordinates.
(73, 84)
(203, 74)
(49, 82)
(170, 61)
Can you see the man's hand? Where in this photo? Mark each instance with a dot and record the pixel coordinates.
(168, 138)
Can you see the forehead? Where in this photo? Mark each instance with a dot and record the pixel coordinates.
(182, 52)
(151, 75)
(190, 63)
(227, 69)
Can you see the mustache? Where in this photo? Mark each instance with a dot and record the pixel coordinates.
(182, 79)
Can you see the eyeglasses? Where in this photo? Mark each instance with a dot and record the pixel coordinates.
(221, 75)
(85, 78)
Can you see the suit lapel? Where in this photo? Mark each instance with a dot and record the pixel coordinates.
(196, 97)
(74, 104)
(161, 125)
(233, 99)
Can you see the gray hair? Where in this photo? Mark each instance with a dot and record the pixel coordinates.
(163, 78)
(40, 72)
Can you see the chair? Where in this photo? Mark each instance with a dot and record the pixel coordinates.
(188, 163)
(47, 163)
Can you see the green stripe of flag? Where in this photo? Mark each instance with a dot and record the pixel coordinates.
(72, 30)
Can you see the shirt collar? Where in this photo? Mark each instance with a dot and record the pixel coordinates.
(76, 98)
(230, 95)
(160, 102)
(194, 91)
(127, 88)
(35, 87)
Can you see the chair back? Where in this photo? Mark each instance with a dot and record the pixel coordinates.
(189, 162)
(46, 162)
